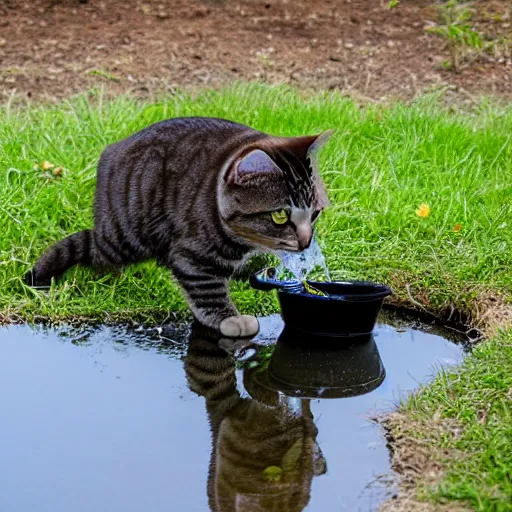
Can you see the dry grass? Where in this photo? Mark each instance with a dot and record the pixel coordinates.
(414, 459)
(493, 312)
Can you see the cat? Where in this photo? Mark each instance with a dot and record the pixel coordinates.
(200, 195)
(264, 451)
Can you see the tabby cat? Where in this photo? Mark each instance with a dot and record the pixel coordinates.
(264, 451)
(199, 195)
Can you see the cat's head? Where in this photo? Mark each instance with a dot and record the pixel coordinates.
(271, 193)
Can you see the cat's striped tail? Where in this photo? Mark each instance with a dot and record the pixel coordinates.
(73, 249)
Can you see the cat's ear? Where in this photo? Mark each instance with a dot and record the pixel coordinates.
(321, 198)
(254, 164)
(307, 146)
(318, 142)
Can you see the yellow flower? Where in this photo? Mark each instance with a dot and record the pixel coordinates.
(423, 210)
(46, 166)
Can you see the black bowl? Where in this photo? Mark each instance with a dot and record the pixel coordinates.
(350, 308)
(315, 367)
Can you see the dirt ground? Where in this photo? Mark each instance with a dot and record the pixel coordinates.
(54, 48)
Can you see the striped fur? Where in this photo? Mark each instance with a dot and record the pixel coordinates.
(178, 192)
(251, 434)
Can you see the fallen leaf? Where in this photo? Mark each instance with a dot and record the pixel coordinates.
(457, 228)
(47, 165)
(273, 473)
(423, 210)
(57, 171)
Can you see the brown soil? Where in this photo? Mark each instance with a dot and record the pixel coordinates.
(419, 461)
(54, 48)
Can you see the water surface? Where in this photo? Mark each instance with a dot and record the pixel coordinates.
(108, 419)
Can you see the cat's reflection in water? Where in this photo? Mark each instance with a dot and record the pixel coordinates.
(264, 450)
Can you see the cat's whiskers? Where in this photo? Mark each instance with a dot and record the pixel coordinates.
(258, 239)
(288, 246)
(268, 243)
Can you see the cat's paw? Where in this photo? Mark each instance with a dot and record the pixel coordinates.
(239, 326)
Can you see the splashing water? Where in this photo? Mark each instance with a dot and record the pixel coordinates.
(300, 265)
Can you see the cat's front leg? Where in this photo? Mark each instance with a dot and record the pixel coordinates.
(208, 297)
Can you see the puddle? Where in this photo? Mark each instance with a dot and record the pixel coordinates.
(108, 419)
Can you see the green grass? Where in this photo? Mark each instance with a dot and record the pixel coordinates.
(379, 166)
(470, 414)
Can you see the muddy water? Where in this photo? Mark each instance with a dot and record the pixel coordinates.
(109, 419)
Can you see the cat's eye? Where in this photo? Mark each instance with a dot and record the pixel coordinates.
(280, 216)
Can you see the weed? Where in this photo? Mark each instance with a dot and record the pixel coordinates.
(104, 74)
(464, 42)
(455, 28)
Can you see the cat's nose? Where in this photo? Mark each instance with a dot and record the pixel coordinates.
(304, 235)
